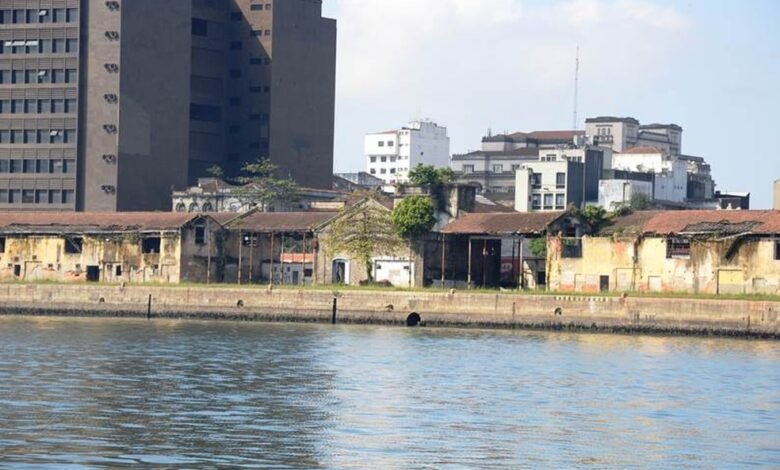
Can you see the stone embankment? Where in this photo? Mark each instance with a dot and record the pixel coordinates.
(739, 318)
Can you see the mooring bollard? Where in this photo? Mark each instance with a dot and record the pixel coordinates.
(333, 318)
(149, 308)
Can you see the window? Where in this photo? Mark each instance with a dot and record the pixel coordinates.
(777, 250)
(256, 7)
(200, 27)
(28, 196)
(536, 202)
(200, 235)
(390, 143)
(383, 159)
(2, 244)
(548, 202)
(73, 245)
(392, 159)
(41, 196)
(28, 166)
(468, 169)
(150, 245)
(381, 143)
(4, 196)
(202, 112)
(678, 248)
(55, 196)
(560, 180)
(550, 157)
(572, 248)
(536, 180)
(68, 196)
(372, 171)
(498, 168)
(373, 159)
(383, 171)
(560, 201)
(255, 89)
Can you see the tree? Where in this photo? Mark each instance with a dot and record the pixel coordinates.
(363, 231)
(639, 202)
(414, 216)
(595, 216)
(427, 175)
(261, 184)
(216, 171)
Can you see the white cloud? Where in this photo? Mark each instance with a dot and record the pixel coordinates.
(639, 12)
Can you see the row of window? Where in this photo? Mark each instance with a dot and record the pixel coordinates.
(385, 159)
(548, 202)
(37, 196)
(384, 171)
(32, 76)
(37, 136)
(47, 106)
(39, 16)
(381, 143)
(41, 166)
(39, 46)
(260, 6)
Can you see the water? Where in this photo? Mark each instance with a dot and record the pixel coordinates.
(108, 393)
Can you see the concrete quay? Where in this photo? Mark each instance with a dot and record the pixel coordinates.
(679, 316)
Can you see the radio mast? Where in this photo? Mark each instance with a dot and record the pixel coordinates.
(576, 88)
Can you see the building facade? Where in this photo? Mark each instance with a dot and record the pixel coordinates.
(108, 105)
(390, 155)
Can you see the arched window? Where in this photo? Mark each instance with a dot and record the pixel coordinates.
(194, 207)
(207, 207)
(180, 207)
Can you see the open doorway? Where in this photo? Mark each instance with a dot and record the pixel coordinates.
(93, 273)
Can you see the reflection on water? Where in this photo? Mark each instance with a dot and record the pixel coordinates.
(113, 392)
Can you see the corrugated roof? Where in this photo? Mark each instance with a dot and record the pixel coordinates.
(762, 222)
(281, 221)
(502, 223)
(87, 222)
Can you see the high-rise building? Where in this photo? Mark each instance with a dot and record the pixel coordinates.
(110, 104)
(391, 154)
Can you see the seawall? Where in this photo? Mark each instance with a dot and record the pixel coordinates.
(739, 318)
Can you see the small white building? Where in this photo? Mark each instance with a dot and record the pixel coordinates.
(671, 173)
(617, 192)
(391, 154)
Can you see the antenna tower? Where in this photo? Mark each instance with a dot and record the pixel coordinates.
(576, 88)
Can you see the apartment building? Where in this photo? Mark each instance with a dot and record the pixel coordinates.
(391, 154)
(109, 105)
(493, 167)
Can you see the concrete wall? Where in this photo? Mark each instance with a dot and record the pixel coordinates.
(777, 195)
(677, 316)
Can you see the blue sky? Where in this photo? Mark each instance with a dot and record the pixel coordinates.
(711, 66)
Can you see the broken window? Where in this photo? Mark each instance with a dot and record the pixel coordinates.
(150, 245)
(118, 270)
(678, 248)
(73, 245)
(572, 248)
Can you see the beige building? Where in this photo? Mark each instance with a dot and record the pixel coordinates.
(701, 252)
(108, 105)
(130, 247)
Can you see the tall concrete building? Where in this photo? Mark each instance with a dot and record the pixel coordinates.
(110, 104)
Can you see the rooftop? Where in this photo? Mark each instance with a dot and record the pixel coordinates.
(723, 222)
(266, 222)
(94, 222)
(538, 136)
(642, 150)
(511, 223)
(608, 119)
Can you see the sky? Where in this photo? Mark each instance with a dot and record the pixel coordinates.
(711, 66)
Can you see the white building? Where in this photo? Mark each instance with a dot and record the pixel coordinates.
(617, 192)
(390, 155)
(671, 173)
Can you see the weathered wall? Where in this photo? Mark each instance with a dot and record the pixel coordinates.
(119, 258)
(643, 266)
(685, 316)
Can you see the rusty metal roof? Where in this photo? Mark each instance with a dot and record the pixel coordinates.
(266, 222)
(502, 223)
(722, 222)
(93, 222)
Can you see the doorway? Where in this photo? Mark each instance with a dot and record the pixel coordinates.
(340, 272)
(603, 283)
(93, 273)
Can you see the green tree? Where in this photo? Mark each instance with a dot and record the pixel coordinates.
(596, 216)
(216, 171)
(639, 202)
(414, 216)
(261, 184)
(428, 175)
(363, 231)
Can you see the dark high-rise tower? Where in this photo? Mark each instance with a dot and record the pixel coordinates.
(108, 105)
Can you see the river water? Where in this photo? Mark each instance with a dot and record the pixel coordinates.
(107, 393)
